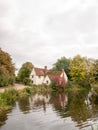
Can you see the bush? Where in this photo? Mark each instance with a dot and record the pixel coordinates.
(26, 81)
(9, 96)
(11, 79)
(3, 80)
(54, 86)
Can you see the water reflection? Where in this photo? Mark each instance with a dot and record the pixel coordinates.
(81, 108)
(24, 104)
(3, 118)
(78, 109)
(59, 102)
(36, 101)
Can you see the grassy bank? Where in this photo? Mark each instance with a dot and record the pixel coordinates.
(74, 87)
(9, 96)
(7, 99)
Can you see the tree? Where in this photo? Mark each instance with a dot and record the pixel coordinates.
(78, 69)
(94, 72)
(24, 72)
(62, 63)
(7, 69)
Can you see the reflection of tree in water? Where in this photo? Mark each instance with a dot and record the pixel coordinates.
(82, 107)
(94, 104)
(78, 109)
(3, 117)
(24, 104)
(78, 106)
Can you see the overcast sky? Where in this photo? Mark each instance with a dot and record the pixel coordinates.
(41, 31)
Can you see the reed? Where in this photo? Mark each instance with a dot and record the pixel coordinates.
(9, 96)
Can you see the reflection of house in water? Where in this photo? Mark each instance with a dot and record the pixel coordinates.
(63, 100)
(60, 100)
(37, 101)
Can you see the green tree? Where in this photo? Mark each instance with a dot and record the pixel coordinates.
(62, 63)
(94, 72)
(7, 69)
(78, 69)
(24, 73)
(90, 62)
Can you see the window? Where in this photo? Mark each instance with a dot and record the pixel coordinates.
(47, 82)
(32, 81)
(39, 76)
(32, 76)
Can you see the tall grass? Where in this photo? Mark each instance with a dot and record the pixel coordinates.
(9, 96)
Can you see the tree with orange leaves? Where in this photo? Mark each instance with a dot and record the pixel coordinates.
(7, 69)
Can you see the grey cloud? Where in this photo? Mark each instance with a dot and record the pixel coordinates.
(4, 8)
(90, 52)
(87, 21)
(43, 31)
(68, 26)
(3, 34)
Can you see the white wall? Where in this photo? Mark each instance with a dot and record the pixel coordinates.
(36, 79)
(47, 80)
(39, 80)
(34, 76)
(65, 76)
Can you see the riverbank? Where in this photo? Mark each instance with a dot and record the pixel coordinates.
(9, 95)
(51, 109)
(12, 93)
(16, 87)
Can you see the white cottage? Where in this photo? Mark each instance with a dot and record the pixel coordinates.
(39, 76)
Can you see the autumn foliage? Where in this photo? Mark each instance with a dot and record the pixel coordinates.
(7, 69)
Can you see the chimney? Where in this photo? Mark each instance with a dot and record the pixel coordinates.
(63, 70)
(45, 68)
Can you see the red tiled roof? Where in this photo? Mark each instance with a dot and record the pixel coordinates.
(40, 71)
(53, 75)
(56, 77)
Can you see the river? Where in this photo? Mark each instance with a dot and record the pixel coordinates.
(55, 111)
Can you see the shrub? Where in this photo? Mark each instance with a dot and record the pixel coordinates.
(9, 96)
(26, 81)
